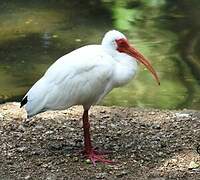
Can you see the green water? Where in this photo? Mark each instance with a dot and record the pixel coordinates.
(33, 34)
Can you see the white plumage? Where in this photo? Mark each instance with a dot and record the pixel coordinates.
(82, 77)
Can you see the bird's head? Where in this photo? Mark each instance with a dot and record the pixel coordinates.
(116, 41)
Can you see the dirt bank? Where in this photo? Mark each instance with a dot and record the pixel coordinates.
(146, 144)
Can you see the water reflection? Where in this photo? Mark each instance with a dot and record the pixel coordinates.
(152, 31)
(46, 39)
(34, 34)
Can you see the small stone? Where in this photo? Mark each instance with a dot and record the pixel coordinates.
(160, 153)
(116, 147)
(193, 165)
(152, 113)
(182, 115)
(166, 164)
(113, 125)
(27, 177)
(87, 161)
(133, 156)
(71, 129)
(21, 149)
(75, 159)
(121, 174)
(37, 152)
(51, 177)
(9, 154)
(119, 133)
(21, 127)
(39, 127)
(45, 165)
(1, 117)
(81, 168)
(156, 126)
(101, 175)
(174, 161)
(49, 132)
(16, 104)
(135, 115)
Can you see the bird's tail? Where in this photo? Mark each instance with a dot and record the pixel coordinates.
(24, 101)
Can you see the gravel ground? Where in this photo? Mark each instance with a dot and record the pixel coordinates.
(145, 144)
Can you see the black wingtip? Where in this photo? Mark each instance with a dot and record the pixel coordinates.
(24, 101)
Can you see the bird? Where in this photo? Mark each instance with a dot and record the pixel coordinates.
(83, 77)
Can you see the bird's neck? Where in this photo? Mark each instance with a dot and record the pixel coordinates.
(125, 70)
(125, 66)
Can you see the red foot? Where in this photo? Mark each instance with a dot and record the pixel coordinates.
(95, 156)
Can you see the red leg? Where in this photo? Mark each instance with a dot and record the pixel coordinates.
(89, 152)
(86, 130)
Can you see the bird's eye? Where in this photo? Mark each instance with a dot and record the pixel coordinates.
(121, 43)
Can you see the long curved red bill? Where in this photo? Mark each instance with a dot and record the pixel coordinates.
(134, 53)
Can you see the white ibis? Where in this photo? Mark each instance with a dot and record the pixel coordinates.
(84, 77)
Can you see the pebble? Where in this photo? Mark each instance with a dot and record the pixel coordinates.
(1, 117)
(121, 174)
(166, 164)
(21, 149)
(152, 113)
(49, 132)
(39, 127)
(21, 127)
(45, 165)
(182, 115)
(75, 159)
(15, 103)
(193, 165)
(116, 147)
(87, 161)
(135, 115)
(101, 175)
(113, 125)
(160, 153)
(174, 161)
(51, 177)
(27, 177)
(156, 126)
(38, 151)
(133, 156)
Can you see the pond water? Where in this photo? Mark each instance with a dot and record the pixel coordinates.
(34, 34)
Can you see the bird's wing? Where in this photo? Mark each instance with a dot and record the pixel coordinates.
(80, 77)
